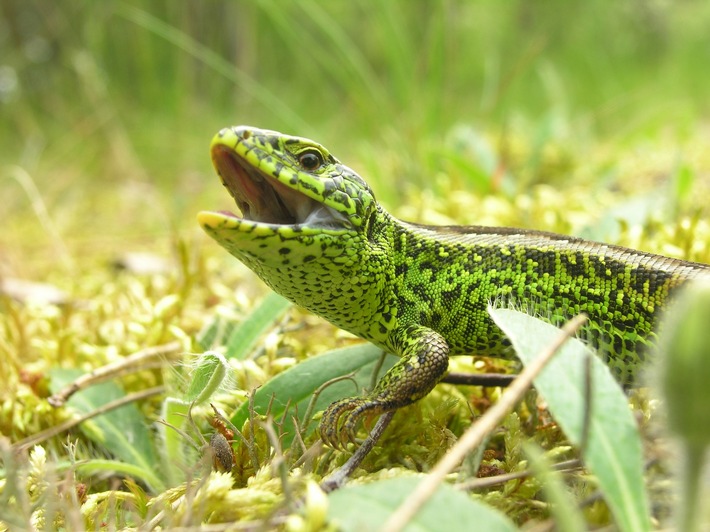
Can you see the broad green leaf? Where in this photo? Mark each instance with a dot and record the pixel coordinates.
(685, 366)
(123, 431)
(296, 385)
(240, 339)
(366, 507)
(613, 449)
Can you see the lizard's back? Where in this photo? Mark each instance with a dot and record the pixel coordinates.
(457, 271)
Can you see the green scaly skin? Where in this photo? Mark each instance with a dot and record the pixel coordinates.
(313, 231)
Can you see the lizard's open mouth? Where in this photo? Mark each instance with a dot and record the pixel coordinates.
(262, 198)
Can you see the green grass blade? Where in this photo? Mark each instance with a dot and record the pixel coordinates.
(355, 60)
(175, 453)
(563, 506)
(328, 45)
(93, 467)
(241, 338)
(256, 90)
(613, 450)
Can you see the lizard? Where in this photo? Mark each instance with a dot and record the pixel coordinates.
(313, 231)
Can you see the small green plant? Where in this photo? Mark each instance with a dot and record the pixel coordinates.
(208, 375)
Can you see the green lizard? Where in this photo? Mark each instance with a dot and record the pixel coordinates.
(313, 231)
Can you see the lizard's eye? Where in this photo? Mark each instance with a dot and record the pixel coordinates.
(310, 160)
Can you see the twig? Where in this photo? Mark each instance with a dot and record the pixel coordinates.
(110, 371)
(487, 482)
(480, 379)
(588, 404)
(279, 463)
(339, 476)
(314, 397)
(376, 370)
(53, 431)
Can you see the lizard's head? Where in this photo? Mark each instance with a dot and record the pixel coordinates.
(308, 225)
(299, 205)
(285, 185)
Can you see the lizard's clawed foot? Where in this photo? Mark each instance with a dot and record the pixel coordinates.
(424, 360)
(340, 419)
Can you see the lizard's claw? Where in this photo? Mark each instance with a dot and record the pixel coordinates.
(340, 419)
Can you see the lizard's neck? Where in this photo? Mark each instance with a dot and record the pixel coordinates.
(348, 280)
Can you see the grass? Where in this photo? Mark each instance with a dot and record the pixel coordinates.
(585, 118)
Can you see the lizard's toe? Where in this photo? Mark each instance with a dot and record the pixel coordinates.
(353, 417)
(330, 432)
(339, 422)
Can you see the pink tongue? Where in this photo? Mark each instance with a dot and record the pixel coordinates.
(230, 214)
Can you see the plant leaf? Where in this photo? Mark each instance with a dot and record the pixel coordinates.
(613, 449)
(123, 431)
(296, 385)
(208, 374)
(367, 507)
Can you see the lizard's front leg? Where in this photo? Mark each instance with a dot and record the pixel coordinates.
(424, 360)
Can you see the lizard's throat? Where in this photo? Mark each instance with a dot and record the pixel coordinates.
(264, 199)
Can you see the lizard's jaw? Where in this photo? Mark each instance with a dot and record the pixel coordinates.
(262, 198)
(255, 192)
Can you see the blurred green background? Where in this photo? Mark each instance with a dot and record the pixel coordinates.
(107, 107)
